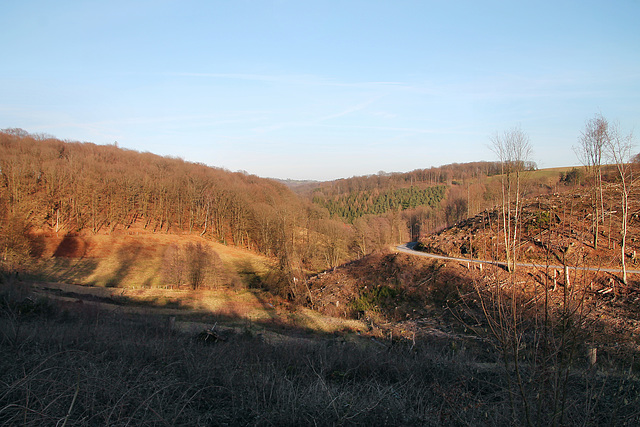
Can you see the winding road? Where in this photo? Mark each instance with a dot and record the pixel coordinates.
(407, 248)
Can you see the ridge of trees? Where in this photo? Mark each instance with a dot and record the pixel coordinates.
(438, 175)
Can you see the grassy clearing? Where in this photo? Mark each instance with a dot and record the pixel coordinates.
(133, 260)
(127, 269)
(548, 176)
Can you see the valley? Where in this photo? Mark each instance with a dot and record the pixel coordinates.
(174, 293)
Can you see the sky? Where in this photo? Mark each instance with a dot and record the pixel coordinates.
(320, 90)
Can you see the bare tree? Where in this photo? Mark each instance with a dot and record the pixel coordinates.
(590, 152)
(197, 258)
(619, 148)
(513, 149)
(173, 265)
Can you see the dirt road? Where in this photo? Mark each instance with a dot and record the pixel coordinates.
(407, 248)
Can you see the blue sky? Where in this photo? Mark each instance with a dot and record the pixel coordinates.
(319, 89)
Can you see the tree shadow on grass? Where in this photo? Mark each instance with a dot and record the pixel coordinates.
(71, 246)
(69, 270)
(127, 256)
(67, 263)
(249, 275)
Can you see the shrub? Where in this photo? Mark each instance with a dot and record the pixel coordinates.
(374, 299)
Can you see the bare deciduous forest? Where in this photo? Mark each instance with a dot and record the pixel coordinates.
(140, 289)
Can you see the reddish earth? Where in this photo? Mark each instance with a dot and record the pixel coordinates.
(556, 229)
(436, 295)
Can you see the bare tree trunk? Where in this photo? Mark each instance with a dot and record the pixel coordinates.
(206, 219)
(593, 141)
(623, 246)
(619, 151)
(513, 150)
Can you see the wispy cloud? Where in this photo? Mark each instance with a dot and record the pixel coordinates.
(318, 120)
(384, 114)
(355, 108)
(295, 79)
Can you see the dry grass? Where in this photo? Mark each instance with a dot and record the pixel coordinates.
(127, 268)
(74, 369)
(71, 365)
(230, 308)
(131, 260)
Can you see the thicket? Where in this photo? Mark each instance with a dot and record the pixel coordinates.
(193, 265)
(573, 177)
(375, 298)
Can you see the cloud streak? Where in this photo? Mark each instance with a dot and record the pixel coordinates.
(293, 79)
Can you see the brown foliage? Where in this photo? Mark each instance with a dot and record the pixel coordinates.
(70, 187)
(15, 246)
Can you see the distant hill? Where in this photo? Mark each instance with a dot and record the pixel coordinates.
(297, 183)
(428, 199)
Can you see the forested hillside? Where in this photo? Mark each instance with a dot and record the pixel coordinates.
(446, 175)
(71, 187)
(53, 186)
(426, 200)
